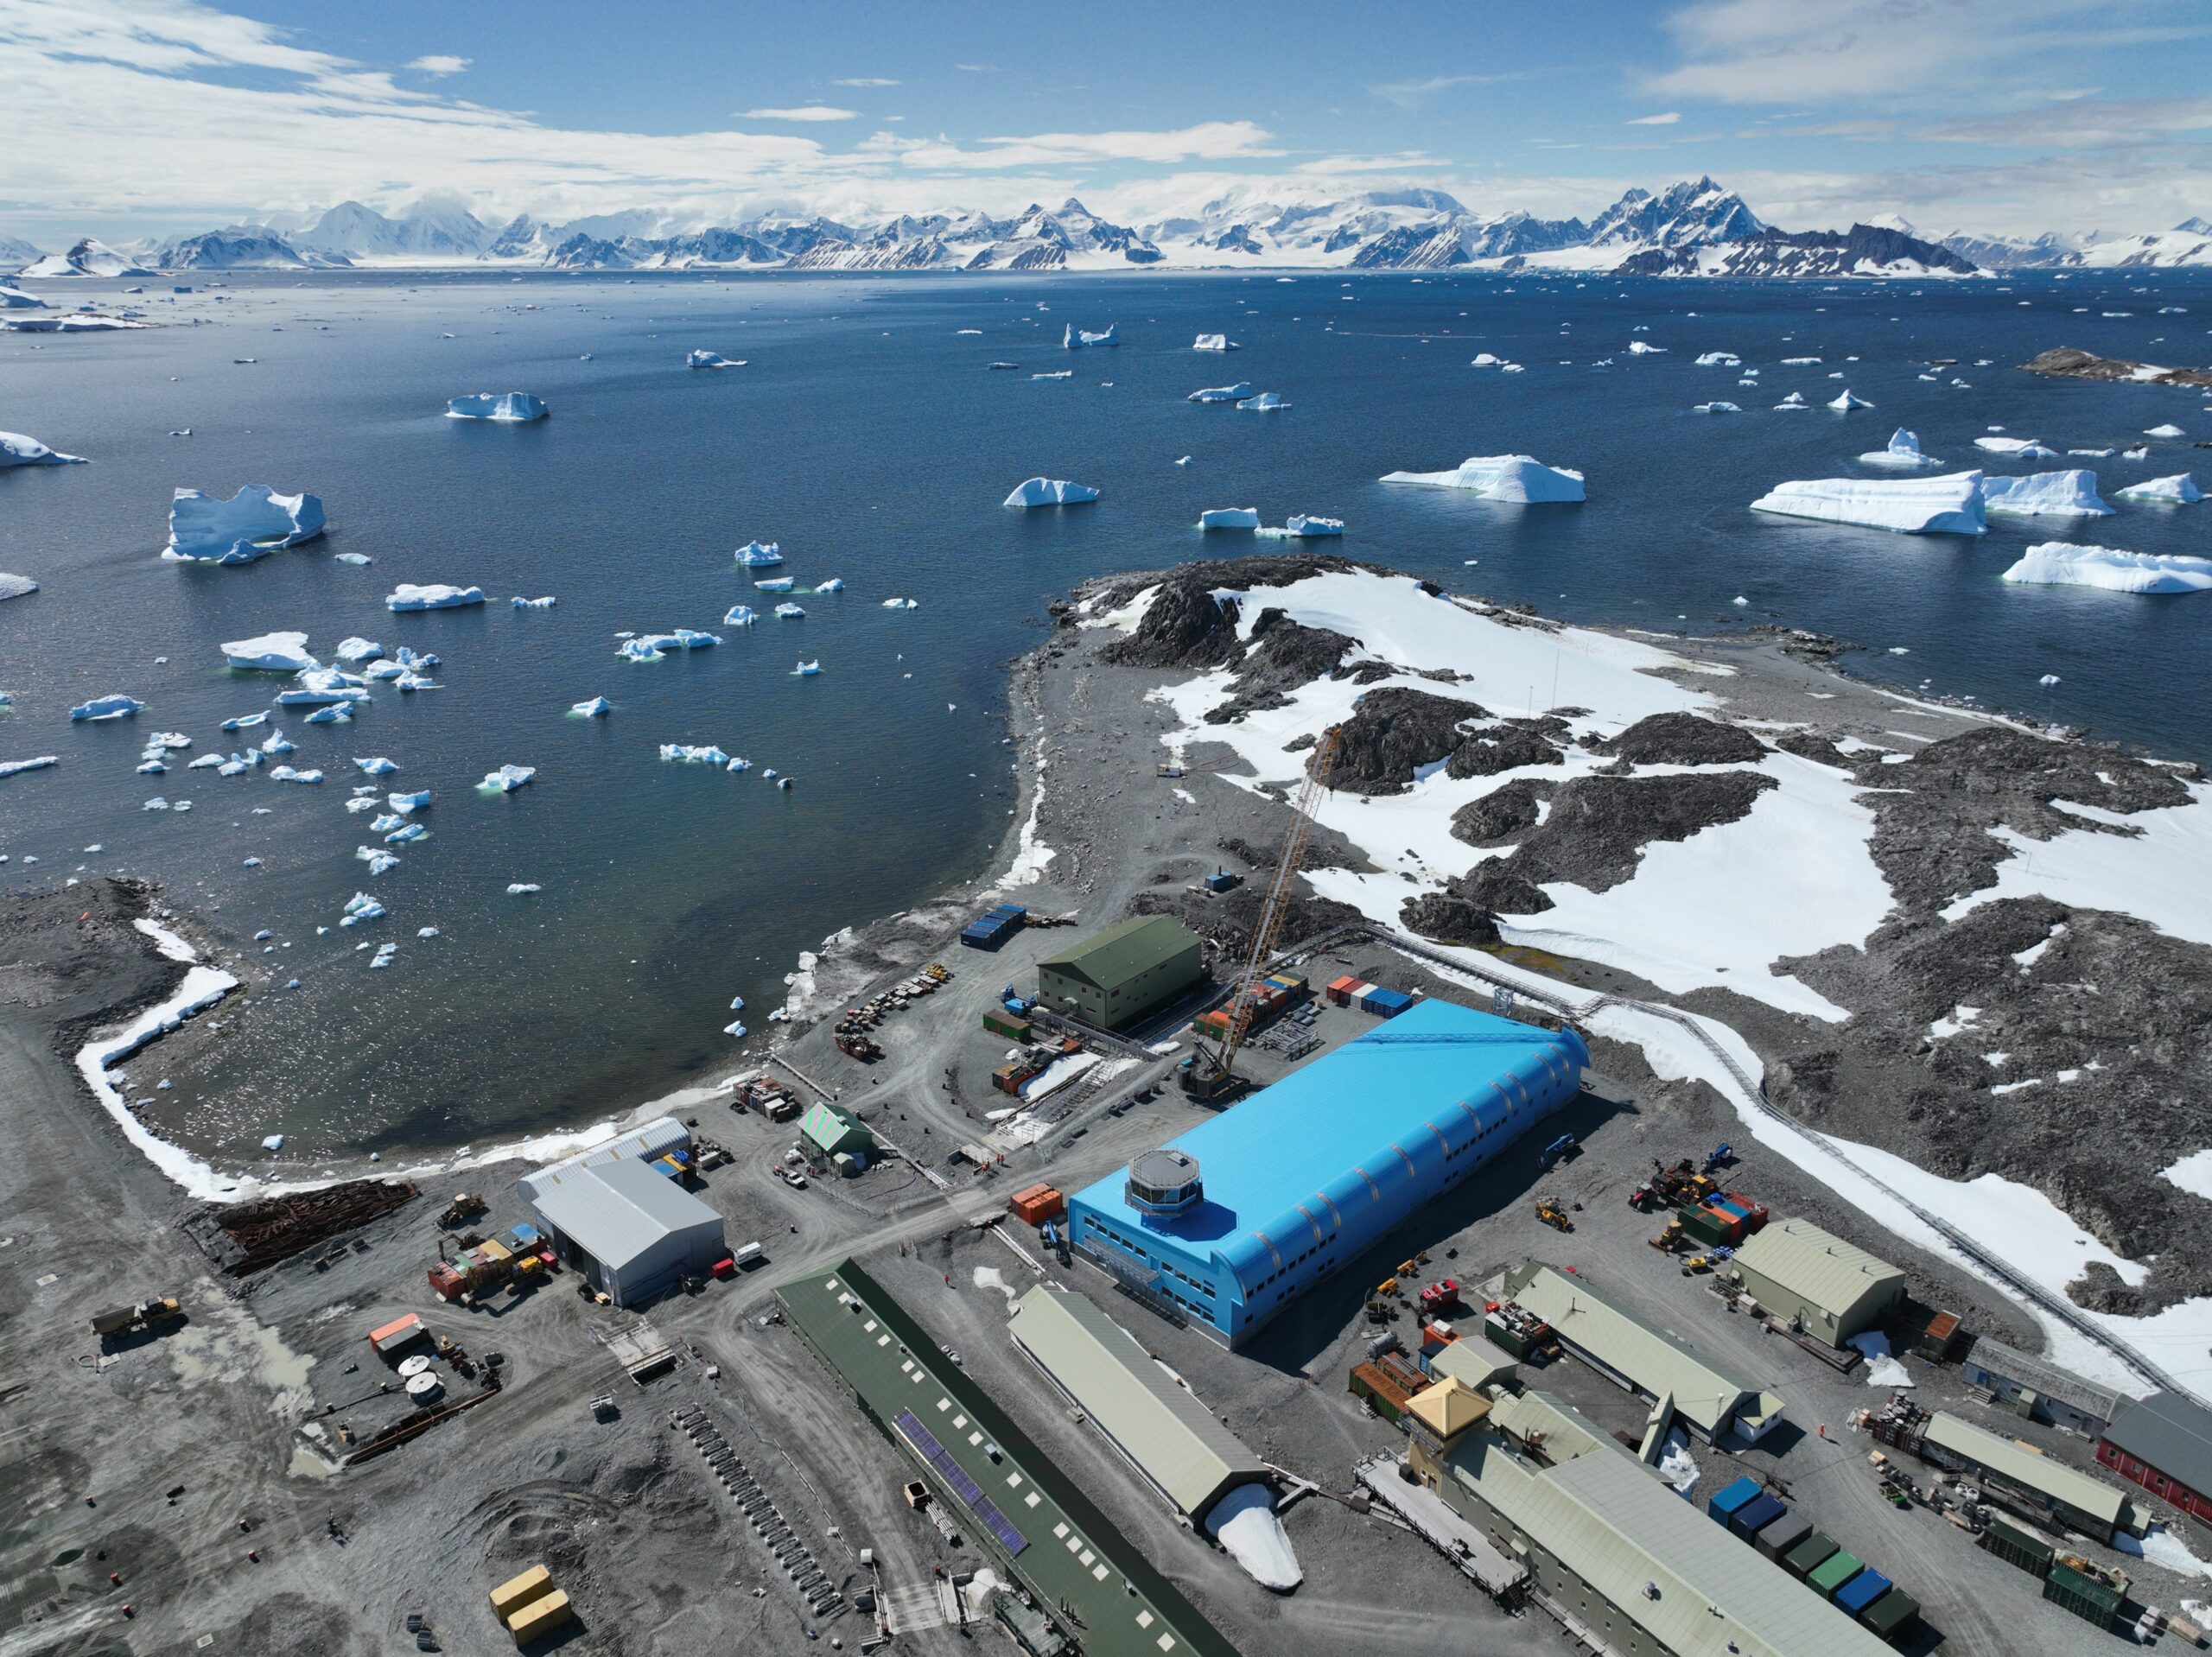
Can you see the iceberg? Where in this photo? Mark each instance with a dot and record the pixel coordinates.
(1795, 400)
(1901, 455)
(1063, 374)
(1072, 336)
(1050, 492)
(902, 604)
(1719, 359)
(16, 450)
(375, 765)
(208, 759)
(17, 767)
(243, 721)
(1235, 393)
(735, 1028)
(406, 835)
(286, 774)
(776, 584)
(711, 359)
(521, 603)
(2046, 494)
(1502, 476)
(639, 650)
(806, 669)
(378, 861)
(593, 709)
(355, 648)
(384, 953)
(113, 706)
(2167, 431)
(318, 686)
(206, 529)
(1214, 342)
(507, 778)
(406, 803)
(1301, 524)
(437, 596)
(1717, 408)
(2065, 563)
(353, 557)
(271, 653)
(686, 754)
(523, 888)
(335, 714)
(1266, 403)
(2179, 490)
(789, 612)
(2026, 449)
(360, 907)
(1645, 348)
(1486, 359)
(386, 671)
(835, 584)
(1229, 518)
(1945, 506)
(758, 554)
(486, 406)
(740, 615)
(1848, 401)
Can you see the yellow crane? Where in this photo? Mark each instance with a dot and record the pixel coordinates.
(1208, 1074)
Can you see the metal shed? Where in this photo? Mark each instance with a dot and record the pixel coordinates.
(1160, 1428)
(830, 1130)
(1834, 1289)
(643, 1144)
(630, 1229)
(1123, 973)
(2072, 1497)
(2028, 1386)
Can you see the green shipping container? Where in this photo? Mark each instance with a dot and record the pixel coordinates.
(2015, 1545)
(2085, 1597)
(1809, 1556)
(1839, 1569)
(1890, 1617)
(1005, 1023)
(1705, 1225)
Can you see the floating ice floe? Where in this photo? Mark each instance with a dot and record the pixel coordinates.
(902, 604)
(286, 774)
(1795, 400)
(1301, 525)
(1516, 478)
(523, 888)
(378, 859)
(789, 612)
(206, 529)
(2167, 431)
(2024, 448)
(735, 1028)
(1645, 348)
(271, 653)
(355, 648)
(1229, 518)
(1266, 403)
(2064, 564)
(278, 743)
(436, 596)
(1901, 455)
(1719, 359)
(688, 754)
(318, 686)
(2048, 680)
(515, 406)
(593, 709)
(776, 584)
(2046, 494)
(1717, 409)
(273, 1142)
(2179, 490)
(1060, 374)
(157, 803)
(521, 603)
(1213, 342)
(360, 907)
(711, 359)
(1849, 401)
(806, 669)
(375, 766)
(1945, 506)
(426, 931)
(406, 835)
(406, 803)
(384, 953)
(334, 713)
(16, 450)
(351, 558)
(1050, 492)
(17, 767)
(740, 615)
(507, 778)
(152, 768)
(835, 584)
(758, 554)
(1072, 336)
(113, 706)
(639, 650)
(1235, 393)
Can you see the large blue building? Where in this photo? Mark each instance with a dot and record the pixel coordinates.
(1234, 1219)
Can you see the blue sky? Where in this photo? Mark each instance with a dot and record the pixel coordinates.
(136, 116)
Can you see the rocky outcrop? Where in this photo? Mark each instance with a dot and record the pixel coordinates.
(2067, 363)
(1393, 733)
(1186, 626)
(1681, 739)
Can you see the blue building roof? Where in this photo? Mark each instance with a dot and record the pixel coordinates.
(1362, 1129)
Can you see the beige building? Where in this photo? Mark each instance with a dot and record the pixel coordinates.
(1828, 1287)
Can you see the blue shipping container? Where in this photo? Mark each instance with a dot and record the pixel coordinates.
(1755, 1516)
(1723, 1504)
(1861, 1591)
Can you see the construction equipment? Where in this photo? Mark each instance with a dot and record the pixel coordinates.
(1669, 1238)
(1439, 1296)
(1209, 1073)
(144, 1314)
(852, 1044)
(1378, 1311)
(1697, 1263)
(1557, 1151)
(1388, 1285)
(465, 1207)
(1552, 1213)
(1721, 1156)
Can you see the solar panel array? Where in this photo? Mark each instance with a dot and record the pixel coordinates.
(965, 1487)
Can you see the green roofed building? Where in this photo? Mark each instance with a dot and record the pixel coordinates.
(831, 1131)
(1125, 972)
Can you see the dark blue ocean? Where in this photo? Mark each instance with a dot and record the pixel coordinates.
(867, 436)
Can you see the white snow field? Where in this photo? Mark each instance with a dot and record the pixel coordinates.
(2067, 563)
(1050, 492)
(436, 596)
(206, 529)
(513, 406)
(1903, 453)
(1950, 504)
(1517, 477)
(271, 653)
(2179, 490)
(2046, 494)
(16, 450)
(1229, 518)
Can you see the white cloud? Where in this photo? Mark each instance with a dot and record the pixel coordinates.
(864, 80)
(1412, 94)
(802, 112)
(439, 63)
(1670, 118)
(1207, 141)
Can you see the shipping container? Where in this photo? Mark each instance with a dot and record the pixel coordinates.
(1754, 1211)
(993, 928)
(1784, 1533)
(1339, 990)
(2087, 1598)
(1007, 1024)
(541, 1617)
(1861, 1591)
(2019, 1544)
(1723, 1504)
(1039, 1204)
(1754, 1516)
(1892, 1616)
(516, 1592)
(1706, 1226)
(1809, 1556)
(1838, 1569)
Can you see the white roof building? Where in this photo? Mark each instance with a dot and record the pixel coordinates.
(629, 1229)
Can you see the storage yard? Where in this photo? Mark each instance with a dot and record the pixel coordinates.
(1446, 1320)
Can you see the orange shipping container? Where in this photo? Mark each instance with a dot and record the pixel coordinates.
(1038, 1204)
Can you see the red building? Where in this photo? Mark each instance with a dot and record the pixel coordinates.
(2163, 1443)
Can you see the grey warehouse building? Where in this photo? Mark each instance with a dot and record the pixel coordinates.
(628, 1227)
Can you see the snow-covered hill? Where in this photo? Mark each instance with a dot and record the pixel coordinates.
(1863, 251)
(89, 257)
(15, 253)
(2187, 245)
(430, 232)
(238, 247)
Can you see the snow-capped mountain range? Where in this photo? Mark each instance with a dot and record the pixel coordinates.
(1692, 228)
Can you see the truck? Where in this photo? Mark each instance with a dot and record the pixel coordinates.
(141, 1314)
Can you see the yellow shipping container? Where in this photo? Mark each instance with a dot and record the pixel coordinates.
(511, 1597)
(540, 1617)
(495, 1250)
